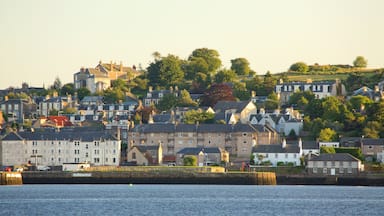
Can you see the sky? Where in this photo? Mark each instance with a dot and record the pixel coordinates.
(42, 40)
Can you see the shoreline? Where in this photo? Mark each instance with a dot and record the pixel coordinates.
(52, 177)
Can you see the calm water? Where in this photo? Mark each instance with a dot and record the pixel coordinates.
(190, 200)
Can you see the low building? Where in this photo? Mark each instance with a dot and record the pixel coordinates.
(334, 164)
(373, 149)
(204, 156)
(145, 155)
(278, 154)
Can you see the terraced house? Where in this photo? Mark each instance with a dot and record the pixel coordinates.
(53, 148)
(237, 139)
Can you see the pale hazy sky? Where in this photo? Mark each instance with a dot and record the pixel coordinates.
(44, 39)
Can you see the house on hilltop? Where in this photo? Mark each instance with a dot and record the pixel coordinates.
(99, 78)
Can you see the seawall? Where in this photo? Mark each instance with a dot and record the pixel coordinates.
(52, 177)
(365, 180)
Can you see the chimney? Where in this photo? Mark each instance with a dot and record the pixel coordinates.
(253, 94)
(121, 66)
(150, 88)
(6, 98)
(82, 70)
(284, 143)
(111, 70)
(364, 88)
(300, 143)
(377, 88)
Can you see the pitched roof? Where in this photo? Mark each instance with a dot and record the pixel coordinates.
(334, 157)
(197, 150)
(276, 149)
(145, 148)
(13, 136)
(370, 141)
(221, 106)
(87, 136)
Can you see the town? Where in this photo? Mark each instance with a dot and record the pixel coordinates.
(194, 113)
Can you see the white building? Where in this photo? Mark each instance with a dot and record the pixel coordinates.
(278, 153)
(320, 89)
(52, 148)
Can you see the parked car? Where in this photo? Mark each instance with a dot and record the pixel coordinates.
(43, 168)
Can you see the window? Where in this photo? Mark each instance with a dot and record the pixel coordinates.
(341, 170)
(286, 155)
(86, 154)
(86, 146)
(276, 155)
(349, 169)
(134, 155)
(325, 170)
(114, 160)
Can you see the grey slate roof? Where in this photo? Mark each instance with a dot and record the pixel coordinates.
(370, 141)
(334, 157)
(87, 136)
(195, 151)
(310, 145)
(200, 128)
(12, 137)
(145, 148)
(221, 106)
(274, 148)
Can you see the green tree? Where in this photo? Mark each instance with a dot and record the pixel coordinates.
(327, 134)
(82, 92)
(210, 56)
(272, 101)
(225, 75)
(359, 101)
(240, 66)
(198, 116)
(300, 67)
(68, 89)
(56, 84)
(372, 129)
(269, 83)
(360, 62)
(331, 107)
(166, 72)
(327, 150)
(185, 99)
(190, 161)
(113, 95)
(69, 110)
(168, 102)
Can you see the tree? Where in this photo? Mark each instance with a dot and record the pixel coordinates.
(272, 101)
(68, 89)
(166, 72)
(56, 84)
(300, 67)
(331, 106)
(372, 130)
(225, 75)
(269, 83)
(198, 116)
(190, 161)
(360, 62)
(327, 134)
(82, 92)
(113, 95)
(168, 102)
(185, 99)
(204, 61)
(358, 102)
(215, 93)
(240, 66)
(327, 150)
